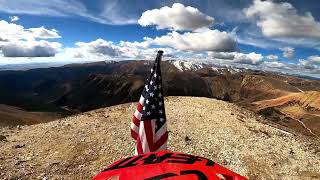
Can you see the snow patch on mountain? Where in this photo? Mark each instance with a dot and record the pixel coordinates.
(186, 65)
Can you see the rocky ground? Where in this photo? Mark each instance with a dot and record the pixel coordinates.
(79, 147)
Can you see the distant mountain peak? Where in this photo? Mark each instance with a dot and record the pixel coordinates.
(182, 65)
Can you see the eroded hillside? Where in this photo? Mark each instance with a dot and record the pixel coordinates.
(300, 111)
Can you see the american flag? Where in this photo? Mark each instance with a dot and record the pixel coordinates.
(148, 126)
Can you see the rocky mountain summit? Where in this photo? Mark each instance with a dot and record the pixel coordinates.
(80, 146)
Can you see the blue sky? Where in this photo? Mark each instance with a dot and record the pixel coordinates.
(266, 34)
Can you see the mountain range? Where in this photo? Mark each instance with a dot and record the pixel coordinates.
(75, 88)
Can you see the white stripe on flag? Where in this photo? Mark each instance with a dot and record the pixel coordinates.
(137, 114)
(141, 100)
(143, 139)
(161, 132)
(135, 151)
(134, 127)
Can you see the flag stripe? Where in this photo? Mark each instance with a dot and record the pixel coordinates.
(139, 107)
(161, 132)
(139, 149)
(134, 128)
(135, 121)
(143, 138)
(141, 100)
(149, 134)
(134, 135)
(137, 114)
(161, 141)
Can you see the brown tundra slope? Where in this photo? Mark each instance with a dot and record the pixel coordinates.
(301, 111)
(13, 116)
(80, 146)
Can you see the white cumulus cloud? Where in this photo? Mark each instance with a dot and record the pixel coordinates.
(282, 20)
(12, 31)
(274, 64)
(272, 57)
(103, 49)
(44, 33)
(287, 52)
(238, 57)
(17, 41)
(312, 62)
(315, 59)
(251, 58)
(178, 17)
(207, 40)
(14, 18)
(99, 47)
(30, 49)
(221, 55)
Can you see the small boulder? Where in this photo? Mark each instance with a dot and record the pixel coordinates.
(3, 138)
(187, 139)
(19, 146)
(291, 151)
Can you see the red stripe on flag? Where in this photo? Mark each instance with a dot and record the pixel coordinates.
(136, 121)
(139, 107)
(134, 135)
(161, 141)
(139, 146)
(149, 134)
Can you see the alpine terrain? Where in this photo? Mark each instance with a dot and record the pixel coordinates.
(80, 146)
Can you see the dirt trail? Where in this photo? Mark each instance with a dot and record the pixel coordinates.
(78, 147)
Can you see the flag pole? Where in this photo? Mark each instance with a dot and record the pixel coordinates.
(160, 53)
(159, 57)
(148, 126)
